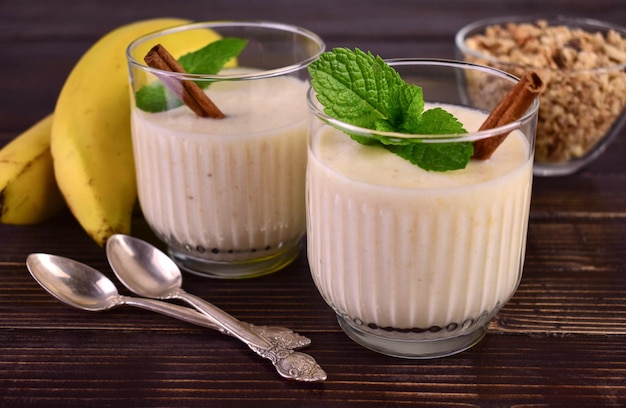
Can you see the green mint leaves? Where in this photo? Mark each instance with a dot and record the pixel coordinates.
(211, 58)
(208, 60)
(362, 90)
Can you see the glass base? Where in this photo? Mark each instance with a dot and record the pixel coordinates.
(250, 268)
(411, 348)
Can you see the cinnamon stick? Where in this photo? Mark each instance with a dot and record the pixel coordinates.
(511, 108)
(188, 91)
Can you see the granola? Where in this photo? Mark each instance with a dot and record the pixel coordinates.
(585, 73)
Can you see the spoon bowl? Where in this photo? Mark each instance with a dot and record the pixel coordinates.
(72, 282)
(86, 288)
(149, 272)
(143, 268)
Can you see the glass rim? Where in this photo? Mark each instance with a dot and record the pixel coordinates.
(565, 20)
(271, 25)
(318, 110)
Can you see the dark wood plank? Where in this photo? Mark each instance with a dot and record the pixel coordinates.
(77, 368)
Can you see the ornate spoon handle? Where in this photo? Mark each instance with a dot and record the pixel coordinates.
(283, 336)
(280, 336)
(289, 364)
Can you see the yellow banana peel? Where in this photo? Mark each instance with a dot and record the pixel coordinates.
(28, 189)
(91, 140)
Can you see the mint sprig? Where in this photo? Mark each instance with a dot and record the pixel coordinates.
(363, 90)
(208, 60)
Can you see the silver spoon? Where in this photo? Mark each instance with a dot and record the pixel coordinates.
(149, 272)
(86, 288)
(279, 336)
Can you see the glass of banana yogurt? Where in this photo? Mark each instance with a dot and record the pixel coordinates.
(225, 194)
(416, 263)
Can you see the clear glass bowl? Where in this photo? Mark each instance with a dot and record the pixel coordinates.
(584, 105)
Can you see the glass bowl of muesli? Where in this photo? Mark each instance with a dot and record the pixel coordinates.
(583, 63)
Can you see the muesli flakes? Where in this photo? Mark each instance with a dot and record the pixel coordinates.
(585, 73)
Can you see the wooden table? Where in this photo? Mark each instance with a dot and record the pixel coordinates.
(561, 341)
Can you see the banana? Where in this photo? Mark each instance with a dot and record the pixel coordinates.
(91, 141)
(28, 190)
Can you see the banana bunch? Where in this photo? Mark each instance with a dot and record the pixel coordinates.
(85, 147)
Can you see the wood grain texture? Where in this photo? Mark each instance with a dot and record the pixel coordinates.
(559, 342)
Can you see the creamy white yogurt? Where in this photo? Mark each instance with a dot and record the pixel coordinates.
(227, 189)
(400, 251)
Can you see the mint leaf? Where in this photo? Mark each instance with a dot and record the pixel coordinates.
(211, 58)
(438, 121)
(361, 89)
(208, 60)
(356, 88)
(435, 156)
(156, 98)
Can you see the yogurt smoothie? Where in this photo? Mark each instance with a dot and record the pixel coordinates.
(404, 255)
(227, 190)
